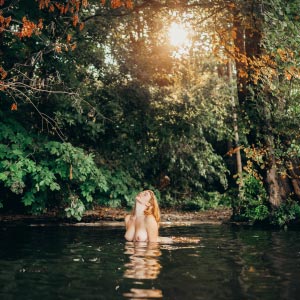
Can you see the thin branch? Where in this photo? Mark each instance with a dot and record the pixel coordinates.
(45, 117)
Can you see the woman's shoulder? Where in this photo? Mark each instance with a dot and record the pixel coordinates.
(129, 218)
(150, 220)
(149, 217)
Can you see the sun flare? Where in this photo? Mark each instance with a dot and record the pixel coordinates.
(178, 34)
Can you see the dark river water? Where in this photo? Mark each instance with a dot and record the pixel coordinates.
(96, 263)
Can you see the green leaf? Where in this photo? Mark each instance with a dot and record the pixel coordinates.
(28, 199)
(3, 176)
(54, 186)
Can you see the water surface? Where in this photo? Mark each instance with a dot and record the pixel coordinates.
(96, 263)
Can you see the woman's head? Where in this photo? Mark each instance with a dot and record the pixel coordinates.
(148, 199)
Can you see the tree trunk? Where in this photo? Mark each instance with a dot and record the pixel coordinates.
(236, 130)
(275, 196)
(247, 46)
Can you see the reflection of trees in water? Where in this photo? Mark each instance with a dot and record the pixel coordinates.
(143, 264)
(267, 269)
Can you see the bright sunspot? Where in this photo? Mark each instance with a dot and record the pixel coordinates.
(178, 35)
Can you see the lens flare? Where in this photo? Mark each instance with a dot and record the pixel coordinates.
(178, 34)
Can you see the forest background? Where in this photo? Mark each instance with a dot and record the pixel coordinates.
(96, 104)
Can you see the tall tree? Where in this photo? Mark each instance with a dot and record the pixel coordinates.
(266, 77)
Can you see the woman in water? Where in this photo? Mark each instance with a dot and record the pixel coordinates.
(143, 222)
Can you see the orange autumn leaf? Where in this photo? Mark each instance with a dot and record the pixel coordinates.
(51, 8)
(116, 3)
(231, 5)
(129, 4)
(43, 3)
(234, 150)
(58, 48)
(69, 37)
(283, 175)
(3, 73)
(75, 20)
(4, 22)
(29, 28)
(233, 33)
(60, 7)
(77, 5)
(251, 269)
(66, 8)
(2, 86)
(243, 74)
(7, 21)
(40, 24)
(287, 75)
(292, 71)
(285, 54)
(14, 106)
(81, 26)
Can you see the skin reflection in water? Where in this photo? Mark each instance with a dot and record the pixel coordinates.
(143, 264)
(143, 294)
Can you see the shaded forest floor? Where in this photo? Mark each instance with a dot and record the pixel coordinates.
(114, 217)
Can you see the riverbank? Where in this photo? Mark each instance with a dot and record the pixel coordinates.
(105, 216)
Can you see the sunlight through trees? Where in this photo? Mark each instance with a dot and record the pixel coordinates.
(152, 89)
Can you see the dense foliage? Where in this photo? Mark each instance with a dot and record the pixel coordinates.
(96, 104)
(269, 105)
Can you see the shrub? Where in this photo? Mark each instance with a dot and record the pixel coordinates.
(285, 213)
(252, 205)
(209, 200)
(36, 168)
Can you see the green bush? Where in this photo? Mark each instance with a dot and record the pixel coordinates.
(209, 200)
(252, 205)
(36, 169)
(285, 213)
(122, 189)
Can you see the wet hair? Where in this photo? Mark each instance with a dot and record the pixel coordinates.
(153, 208)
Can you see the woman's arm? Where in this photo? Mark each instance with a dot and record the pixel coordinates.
(152, 229)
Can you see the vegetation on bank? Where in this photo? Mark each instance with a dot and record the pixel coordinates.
(97, 104)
